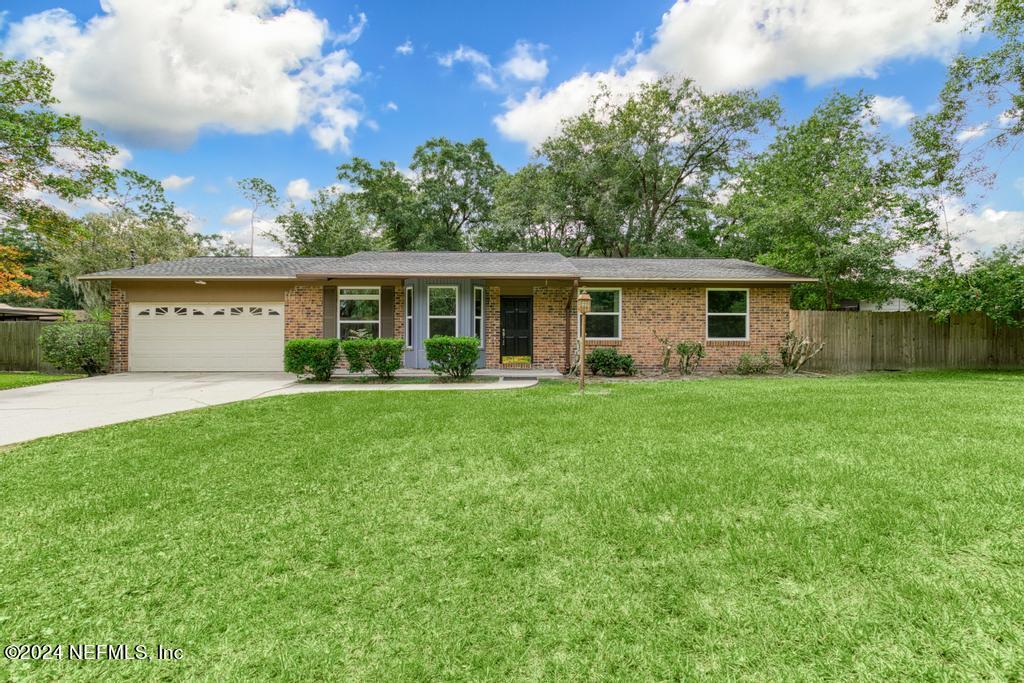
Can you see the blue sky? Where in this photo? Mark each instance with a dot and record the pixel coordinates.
(213, 91)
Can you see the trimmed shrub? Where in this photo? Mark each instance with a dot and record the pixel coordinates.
(754, 365)
(382, 356)
(452, 356)
(690, 355)
(316, 357)
(609, 362)
(77, 347)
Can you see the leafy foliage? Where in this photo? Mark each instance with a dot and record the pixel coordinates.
(609, 362)
(13, 275)
(993, 285)
(452, 356)
(331, 227)
(750, 364)
(382, 356)
(76, 346)
(42, 152)
(825, 200)
(690, 355)
(314, 357)
(442, 206)
(640, 176)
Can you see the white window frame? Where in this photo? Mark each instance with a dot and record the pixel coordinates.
(409, 298)
(443, 317)
(618, 329)
(708, 314)
(358, 297)
(476, 317)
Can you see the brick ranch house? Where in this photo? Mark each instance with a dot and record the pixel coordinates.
(235, 313)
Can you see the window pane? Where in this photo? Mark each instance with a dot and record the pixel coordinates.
(348, 291)
(346, 329)
(476, 328)
(442, 301)
(408, 302)
(442, 326)
(478, 302)
(727, 326)
(602, 326)
(727, 302)
(604, 301)
(359, 310)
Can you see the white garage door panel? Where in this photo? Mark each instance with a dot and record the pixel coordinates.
(219, 337)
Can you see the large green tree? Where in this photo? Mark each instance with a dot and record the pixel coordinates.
(387, 200)
(992, 77)
(455, 184)
(441, 204)
(331, 226)
(44, 153)
(640, 174)
(992, 284)
(530, 214)
(826, 199)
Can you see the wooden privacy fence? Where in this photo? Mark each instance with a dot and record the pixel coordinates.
(19, 346)
(902, 341)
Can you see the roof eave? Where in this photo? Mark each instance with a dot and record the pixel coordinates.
(752, 280)
(503, 276)
(279, 278)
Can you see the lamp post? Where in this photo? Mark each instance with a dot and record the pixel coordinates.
(583, 306)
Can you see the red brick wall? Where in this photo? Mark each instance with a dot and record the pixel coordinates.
(648, 312)
(304, 312)
(678, 313)
(548, 326)
(118, 330)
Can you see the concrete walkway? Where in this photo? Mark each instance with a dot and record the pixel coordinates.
(73, 405)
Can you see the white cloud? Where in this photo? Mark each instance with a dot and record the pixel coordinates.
(984, 230)
(176, 182)
(355, 30)
(161, 72)
(263, 246)
(390, 106)
(464, 54)
(969, 134)
(727, 45)
(895, 111)
(525, 63)
(238, 216)
(298, 190)
(405, 48)
(122, 157)
(480, 63)
(539, 115)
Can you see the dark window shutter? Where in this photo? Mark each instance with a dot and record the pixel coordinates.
(387, 312)
(330, 312)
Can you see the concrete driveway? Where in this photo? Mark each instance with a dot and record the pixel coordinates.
(73, 405)
(58, 407)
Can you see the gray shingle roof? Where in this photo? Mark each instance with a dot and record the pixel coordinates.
(455, 263)
(440, 264)
(677, 269)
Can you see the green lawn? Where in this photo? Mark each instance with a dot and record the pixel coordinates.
(860, 527)
(13, 380)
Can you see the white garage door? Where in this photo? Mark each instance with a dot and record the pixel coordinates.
(206, 337)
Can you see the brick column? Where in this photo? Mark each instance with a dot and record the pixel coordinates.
(492, 326)
(304, 312)
(118, 330)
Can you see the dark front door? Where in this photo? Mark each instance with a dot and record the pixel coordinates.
(517, 326)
